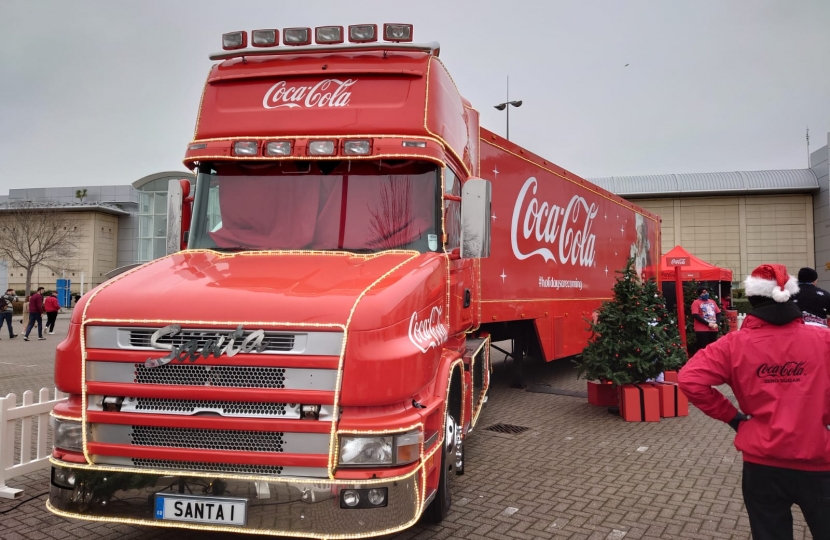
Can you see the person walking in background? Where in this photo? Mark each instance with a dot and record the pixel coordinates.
(779, 369)
(813, 302)
(706, 314)
(52, 307)
(7, 311)
(35, 315)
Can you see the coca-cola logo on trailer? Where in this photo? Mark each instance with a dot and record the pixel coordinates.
(427, 333)
(567, 229)
(326, 93)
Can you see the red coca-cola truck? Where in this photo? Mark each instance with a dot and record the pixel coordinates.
(313, 353)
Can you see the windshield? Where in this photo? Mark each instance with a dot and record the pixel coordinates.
(324, 205)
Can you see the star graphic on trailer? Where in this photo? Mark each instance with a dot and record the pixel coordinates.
(622, 230)
(503, 275)
(606, 216)
(493, 216)
(496, 172)
(606, 269)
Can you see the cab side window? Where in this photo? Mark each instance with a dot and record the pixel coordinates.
(452, 210)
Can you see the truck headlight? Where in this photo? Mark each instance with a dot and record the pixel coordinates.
(67, 434)
(357, 451)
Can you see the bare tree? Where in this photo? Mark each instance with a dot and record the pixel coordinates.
(391, 223)
(34, 234)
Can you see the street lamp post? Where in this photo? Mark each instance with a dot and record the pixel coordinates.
(506, 105)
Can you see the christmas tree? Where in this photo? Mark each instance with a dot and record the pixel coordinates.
(634, 338)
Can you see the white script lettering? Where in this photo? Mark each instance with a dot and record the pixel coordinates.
(326, 93)
(549, 222)
(429, 332)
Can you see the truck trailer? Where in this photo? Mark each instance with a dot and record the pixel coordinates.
(312, 355)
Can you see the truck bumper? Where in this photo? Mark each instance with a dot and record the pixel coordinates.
(279, 508)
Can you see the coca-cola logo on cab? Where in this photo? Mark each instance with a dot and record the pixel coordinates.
(326, 93)
(427, 333)
(567, 229)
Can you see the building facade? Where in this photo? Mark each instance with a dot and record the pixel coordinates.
(117, 226)
(739, 220)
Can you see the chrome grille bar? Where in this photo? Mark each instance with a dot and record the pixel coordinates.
(274, 342)
(233, 376)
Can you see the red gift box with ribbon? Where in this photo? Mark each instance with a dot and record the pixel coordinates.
(670, 376)
(673, 402)
(639, 403)
(603, 394)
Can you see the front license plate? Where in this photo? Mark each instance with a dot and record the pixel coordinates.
(207, 510)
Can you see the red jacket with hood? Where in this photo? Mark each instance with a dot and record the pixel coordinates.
(781, 378)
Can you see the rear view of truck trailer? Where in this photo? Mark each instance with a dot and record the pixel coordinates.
(310, 358)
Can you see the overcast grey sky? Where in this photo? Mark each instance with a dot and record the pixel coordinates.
(105, 92)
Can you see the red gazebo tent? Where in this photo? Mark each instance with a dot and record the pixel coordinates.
(697, 270)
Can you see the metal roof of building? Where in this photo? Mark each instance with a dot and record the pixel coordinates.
(27, 206)
(719, 183)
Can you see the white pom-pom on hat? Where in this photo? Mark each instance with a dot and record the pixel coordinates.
(771, 281)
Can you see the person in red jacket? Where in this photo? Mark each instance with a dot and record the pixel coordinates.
(52, 307)
(779, 370)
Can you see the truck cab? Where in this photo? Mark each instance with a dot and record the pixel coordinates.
(307, 360)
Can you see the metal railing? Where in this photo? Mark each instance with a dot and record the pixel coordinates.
(10, 413)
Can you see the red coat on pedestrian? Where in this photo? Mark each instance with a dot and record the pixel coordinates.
(51, 304)
(781, 378)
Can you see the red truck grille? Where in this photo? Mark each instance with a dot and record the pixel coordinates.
(223, 376)
(208, 439)
(222, 408)
(242, 414)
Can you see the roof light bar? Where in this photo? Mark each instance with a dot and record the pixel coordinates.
(235, 40)
(321, 148)
(397, 32)
(265, 38)
(328, 35)
(363, 33)
(296, 36)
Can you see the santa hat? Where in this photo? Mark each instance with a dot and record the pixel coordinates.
(771, 281)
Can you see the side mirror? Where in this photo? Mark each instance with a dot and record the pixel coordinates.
(178, 215)
(475, 218)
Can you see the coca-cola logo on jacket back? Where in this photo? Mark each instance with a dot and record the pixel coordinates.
(777, 373)
(326, 93)
(563, 231)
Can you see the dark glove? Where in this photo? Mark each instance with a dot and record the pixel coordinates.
(735, 422)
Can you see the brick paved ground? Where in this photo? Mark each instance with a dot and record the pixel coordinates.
(577, 473)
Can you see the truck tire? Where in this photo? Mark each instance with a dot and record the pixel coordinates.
(440, 505)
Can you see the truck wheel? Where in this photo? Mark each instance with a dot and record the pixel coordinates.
(440, 505)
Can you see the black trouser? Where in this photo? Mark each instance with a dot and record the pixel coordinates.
(702, 339)
(6, 316)
(770, 493)
(51, 317)
(34, 318)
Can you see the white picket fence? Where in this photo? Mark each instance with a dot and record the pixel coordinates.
(10, 413)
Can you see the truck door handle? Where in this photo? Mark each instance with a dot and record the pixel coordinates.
(468, 297)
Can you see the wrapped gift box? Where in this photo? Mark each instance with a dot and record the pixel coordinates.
(673, 402)
(670, 376)
(639, 403)
(603, 394)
